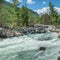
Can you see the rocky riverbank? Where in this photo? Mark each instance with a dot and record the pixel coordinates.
(6, 31)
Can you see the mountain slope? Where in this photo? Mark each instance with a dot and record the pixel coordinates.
(8, 13)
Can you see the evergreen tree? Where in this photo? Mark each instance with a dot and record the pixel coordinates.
(16, 12)
(1, 17)
(53, 13)
(45, 19)
(24, 16)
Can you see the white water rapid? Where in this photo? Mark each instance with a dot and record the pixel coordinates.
(27, 47)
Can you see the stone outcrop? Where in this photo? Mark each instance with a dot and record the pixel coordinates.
(7, 32)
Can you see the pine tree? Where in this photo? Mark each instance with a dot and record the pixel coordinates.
(45, 19)
(53, 13)
(24, 16)
(1, 6)
(16, 11)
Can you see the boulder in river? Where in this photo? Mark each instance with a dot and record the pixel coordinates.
(58, 58)
(42, 48)
(59, 35)
(3, 36)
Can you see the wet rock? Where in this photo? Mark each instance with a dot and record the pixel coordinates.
(3, 36)
(18, 33)
(59, 35)
(7, 33)
(43, 31)
(42, 48)
(58, 58)
(59, 52)
(31, 31)
(15, 31)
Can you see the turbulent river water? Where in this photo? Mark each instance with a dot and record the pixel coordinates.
(27, 47)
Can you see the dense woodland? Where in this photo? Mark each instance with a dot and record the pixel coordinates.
(12, 15)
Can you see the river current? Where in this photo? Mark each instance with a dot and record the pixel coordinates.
(27, 47)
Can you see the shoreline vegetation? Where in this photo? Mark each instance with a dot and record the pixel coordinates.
(19, 21)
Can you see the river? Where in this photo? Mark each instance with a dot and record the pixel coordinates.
(27, 47)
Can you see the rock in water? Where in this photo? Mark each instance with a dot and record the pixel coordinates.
(3, 36)
(59, 35)
(58, 58)
(42, 48)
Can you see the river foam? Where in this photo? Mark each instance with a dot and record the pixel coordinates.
(27, 47)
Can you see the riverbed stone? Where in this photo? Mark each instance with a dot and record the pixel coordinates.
(42, 48)
(58, 58)
(15, 31)
(59, 35)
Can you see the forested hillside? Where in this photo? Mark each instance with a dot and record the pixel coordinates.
(12, 15)
(7, 15)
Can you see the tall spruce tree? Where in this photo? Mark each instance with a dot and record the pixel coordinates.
(45, 19)
(24, 16)
(53, 13)
(16, 12)
(1, 17)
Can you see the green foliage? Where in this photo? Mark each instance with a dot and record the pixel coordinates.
(11, 14)
(58, 20)
(1, 4)
(45, 19)
(16, 12)
(1, 16)
(50, 18)
(24, 16)
(53, 14)
(33, 17)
